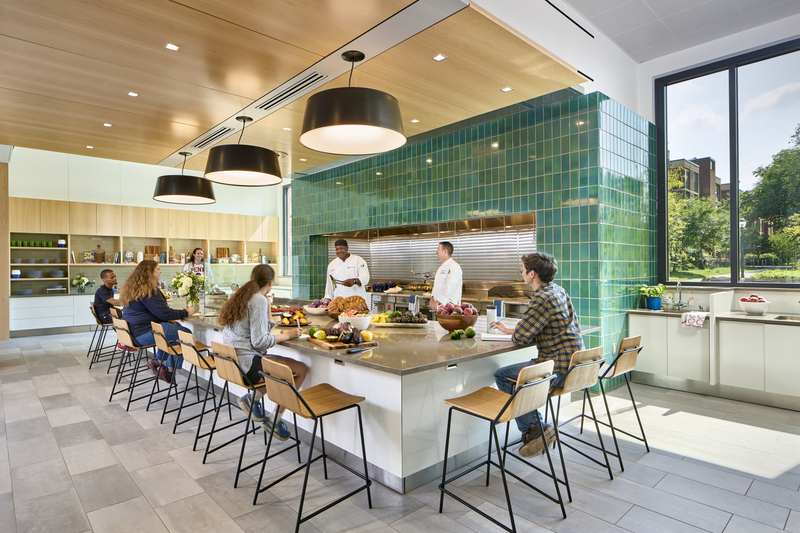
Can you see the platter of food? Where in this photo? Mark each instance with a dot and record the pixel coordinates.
(396, 319)
(289, 319)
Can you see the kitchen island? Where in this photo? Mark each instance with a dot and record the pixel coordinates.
(405, 380)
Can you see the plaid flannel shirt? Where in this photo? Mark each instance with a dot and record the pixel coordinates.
(551, 324)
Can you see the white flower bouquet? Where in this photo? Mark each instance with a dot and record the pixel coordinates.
(190, 285)
(80, 282)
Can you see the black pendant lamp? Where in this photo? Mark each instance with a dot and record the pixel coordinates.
(352, 120)
(243, 165)
(181, 189)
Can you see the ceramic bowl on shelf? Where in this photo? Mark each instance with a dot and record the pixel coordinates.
(360, 322)
(755, 308)
(24, 292)
(16, 261)
(45, 261)
(30, 260)
(454, 322)
(314, 310)
(56, 260)
(56, 273)
(33, 274)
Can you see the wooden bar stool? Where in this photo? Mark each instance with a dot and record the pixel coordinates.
(581, 375)
(497, 407)
(115, 313)
(229, 370)
(134, 362)
(97, 350)
(623, 363)
(315, 403)
(191, 354)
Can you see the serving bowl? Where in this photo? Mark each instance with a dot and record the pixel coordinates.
(16, 261)
(755, 308)
(24, 292)
(360, 322)
(45, 261)
(454, 322)
(333, 316)
(33, 274)
(30, 260)
(314, 310)
(56, 273)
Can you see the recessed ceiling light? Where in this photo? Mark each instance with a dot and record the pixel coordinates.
(131, 93)
(414, 120)
(439, 57)
(288, 129)
(338, 183)
(107, 125)
(506, 89)
(429, 160)
(173, 47)
(89, 147)
(379, 173)
(495, 145)
(580, 123)
(302, 159)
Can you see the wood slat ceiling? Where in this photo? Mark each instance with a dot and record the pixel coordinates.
(66, 68)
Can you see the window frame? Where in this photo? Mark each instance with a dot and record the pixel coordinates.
(730, 65)
(286, 231)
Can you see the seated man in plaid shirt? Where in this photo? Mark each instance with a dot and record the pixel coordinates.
(551, 324)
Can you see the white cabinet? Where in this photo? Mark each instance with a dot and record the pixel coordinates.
(687, 351)
(653, 329)
(82, 315)
(781, 358)
(741, 354)
(41, 312)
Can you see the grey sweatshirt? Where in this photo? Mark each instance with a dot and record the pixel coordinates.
(251, 336)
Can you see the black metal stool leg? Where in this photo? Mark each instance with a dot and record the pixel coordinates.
(324, 454)
(502, 462)
(635, 410)
(599, 436)
(364, 456)
(489, 454)
(444, 463)
(611, 425)
(560, 450)
(305, 477)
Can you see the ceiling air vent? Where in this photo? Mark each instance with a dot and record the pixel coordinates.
(212, 137)
(288, 93)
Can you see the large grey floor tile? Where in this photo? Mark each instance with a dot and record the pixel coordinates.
(777, 495)
(275, 517)
(21, 453)
(104, 487)
(39, 479)
(743, 525)
(140, 454)
(121, 431)
(164, 484)
(704, 474)
(5, 477)
(641, 520)
(59, 401)
(197, 513)
(578, 522)
(78, 433)
(427, 519)
(793, 524)
(27, 429)
(8, 522)
(132, 516)
(60, 512)
(479, 523)
(89, 456)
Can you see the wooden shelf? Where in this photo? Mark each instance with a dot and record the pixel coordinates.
(39, 279)
(37, 264)
(38, 248)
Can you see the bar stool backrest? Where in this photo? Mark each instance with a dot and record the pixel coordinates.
(227, 368)
(94, 314)
(626, 356)
(583, 370)
(190, 352)
(533, 396)
(283, 392)
(115, 313)
(161, 339)
(123, 333)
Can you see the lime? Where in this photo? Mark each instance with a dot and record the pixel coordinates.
(470, 332)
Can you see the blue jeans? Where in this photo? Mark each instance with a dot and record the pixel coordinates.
(171, 333)
(504, 384)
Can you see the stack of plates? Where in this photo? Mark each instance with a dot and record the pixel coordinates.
(16, 261)
(34, 274)
(30, 260)
(56, 273)
(45, 261)
(24, 292)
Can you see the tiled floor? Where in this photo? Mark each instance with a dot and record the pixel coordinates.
(72, 462)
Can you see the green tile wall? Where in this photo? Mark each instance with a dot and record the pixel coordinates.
(585, 165)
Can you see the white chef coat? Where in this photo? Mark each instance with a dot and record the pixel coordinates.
(352, 267)
(447, 284)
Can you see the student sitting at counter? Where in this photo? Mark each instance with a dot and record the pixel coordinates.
(248, 323)
(144, 304)
(551, 324)
(104, 297)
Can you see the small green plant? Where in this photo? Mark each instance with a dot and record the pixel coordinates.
(656, 291)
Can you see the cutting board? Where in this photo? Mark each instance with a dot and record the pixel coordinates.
(341, 345)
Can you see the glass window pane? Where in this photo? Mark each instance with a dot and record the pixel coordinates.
(699, 179)
(769, 169)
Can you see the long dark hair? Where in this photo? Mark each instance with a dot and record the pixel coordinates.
(235, 309)
(190, 258)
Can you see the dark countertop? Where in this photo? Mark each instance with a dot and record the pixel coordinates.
(403, 350)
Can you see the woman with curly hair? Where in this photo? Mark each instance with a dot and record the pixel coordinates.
(144, 304)
(248, 323)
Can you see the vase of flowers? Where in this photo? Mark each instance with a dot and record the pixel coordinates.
(190, 285)
(80, 282)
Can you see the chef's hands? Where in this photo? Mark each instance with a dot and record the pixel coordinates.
(350, 282)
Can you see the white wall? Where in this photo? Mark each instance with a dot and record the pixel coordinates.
(76, 178)
(613, 71)
(733, 45)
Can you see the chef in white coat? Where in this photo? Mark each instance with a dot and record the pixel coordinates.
(448, 281)
(350, 272)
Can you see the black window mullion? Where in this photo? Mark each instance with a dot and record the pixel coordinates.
(733, 152)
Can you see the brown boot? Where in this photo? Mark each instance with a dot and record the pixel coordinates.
(532, 442)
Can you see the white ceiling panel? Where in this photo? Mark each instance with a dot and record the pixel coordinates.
(777, 12)
(747, 7)
(666, 9)
(644, 36)
(625, 17)
(658, 50)
(717, 31)
(590, 8)
(701, 17)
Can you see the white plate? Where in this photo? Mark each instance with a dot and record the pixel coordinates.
(392, 325)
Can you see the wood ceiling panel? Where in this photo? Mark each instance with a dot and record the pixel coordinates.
(321, 26)
(214, 53)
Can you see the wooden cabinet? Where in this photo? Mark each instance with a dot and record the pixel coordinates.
(24, 215)
(218, 226)
(741, 354)
(133, 224)
(109, 219)
(156, 222)
(198, 225)
(178, 224)
(653, 329)
(235, 227)
(781, 371)
(54, 216)
(270, 229)
(82, 218)
(253, 228)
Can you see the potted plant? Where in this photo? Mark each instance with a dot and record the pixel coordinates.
(80, 282)
(653, 295)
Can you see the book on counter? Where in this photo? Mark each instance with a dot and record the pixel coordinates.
(495, 337)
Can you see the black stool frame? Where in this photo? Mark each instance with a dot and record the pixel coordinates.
(209, 388)
(135, 362)
(97, 350)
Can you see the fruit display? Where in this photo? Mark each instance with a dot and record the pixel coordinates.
(465, 309)
(352, 303)
(293, 318)
(396, 317)
(344, 333)
(353, 313)
(283, 309)
(320, 304)
(754, 298)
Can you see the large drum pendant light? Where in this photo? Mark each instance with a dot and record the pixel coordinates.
(243, 165)
(352, 120)
(181, 189)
